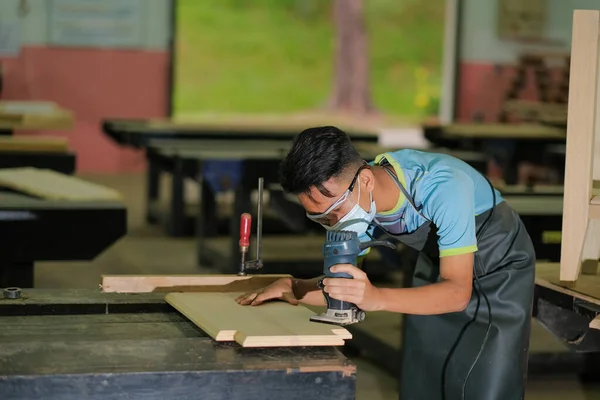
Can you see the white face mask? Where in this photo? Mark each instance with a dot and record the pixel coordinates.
(357, 219)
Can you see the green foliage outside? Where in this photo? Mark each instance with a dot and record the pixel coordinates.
(276, 56)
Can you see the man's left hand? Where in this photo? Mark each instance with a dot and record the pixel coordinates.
(359, 290)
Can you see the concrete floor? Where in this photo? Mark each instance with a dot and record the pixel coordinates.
(146, 250)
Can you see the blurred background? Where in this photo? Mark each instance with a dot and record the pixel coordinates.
(175, 108)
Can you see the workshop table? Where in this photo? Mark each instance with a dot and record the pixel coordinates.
(137, 133)
(529, 140)
(46, 216)
(239, 132)
(75, 344)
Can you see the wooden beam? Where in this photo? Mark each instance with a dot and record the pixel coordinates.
(186, 283)
(44, 144)
(52, 185)
(581, 131)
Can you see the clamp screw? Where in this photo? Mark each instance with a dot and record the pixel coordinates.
(12, 293)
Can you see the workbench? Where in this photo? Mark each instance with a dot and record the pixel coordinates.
(75, 344)
(37, 225)
(570, 313)
(137, 133)
(529, 140)
(237, 133)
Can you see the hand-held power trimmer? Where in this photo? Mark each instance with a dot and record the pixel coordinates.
(343, 247)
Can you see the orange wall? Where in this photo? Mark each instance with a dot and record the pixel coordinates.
(94, 84)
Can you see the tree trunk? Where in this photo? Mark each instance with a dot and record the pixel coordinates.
(351, 89)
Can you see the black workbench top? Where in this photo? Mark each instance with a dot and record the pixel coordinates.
(137, 133)
(78, 344)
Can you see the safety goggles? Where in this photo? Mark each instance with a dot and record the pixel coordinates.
(323, 218)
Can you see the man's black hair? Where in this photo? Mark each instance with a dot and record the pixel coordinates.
(318, 154)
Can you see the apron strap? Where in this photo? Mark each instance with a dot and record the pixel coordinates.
(404, 191)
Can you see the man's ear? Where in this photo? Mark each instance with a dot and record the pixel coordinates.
(367, 178)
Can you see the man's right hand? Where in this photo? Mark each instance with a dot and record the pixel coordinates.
(281, 289)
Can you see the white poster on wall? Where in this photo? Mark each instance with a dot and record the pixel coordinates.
(96, 23)
(10, 38)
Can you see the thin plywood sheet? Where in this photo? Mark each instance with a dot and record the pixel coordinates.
(272, 324)
(52, 185)
(34, 144)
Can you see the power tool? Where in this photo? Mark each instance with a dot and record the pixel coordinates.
(342, 247)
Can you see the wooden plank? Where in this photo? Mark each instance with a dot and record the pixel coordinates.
(34, 115)
(185, 283)
(273, 324)
(581, 128)
(52, 185)
(34, 144)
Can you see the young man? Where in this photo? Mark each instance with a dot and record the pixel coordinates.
(468, 312)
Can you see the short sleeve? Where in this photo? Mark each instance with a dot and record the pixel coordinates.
(450, 204)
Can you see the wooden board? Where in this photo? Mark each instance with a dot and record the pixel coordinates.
(185, 283)
(34, 144)
(32, 115)
(52, 185)
(273, 324)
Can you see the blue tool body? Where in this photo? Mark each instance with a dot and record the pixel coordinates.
(343, 247)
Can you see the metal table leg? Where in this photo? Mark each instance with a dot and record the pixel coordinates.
(177, 211)
(152, 190)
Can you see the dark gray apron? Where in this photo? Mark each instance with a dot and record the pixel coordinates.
(439, 350)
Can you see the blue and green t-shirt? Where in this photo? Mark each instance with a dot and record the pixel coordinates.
(449, 191)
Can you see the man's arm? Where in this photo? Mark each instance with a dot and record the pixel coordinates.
(449, 201)
(451, 294)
